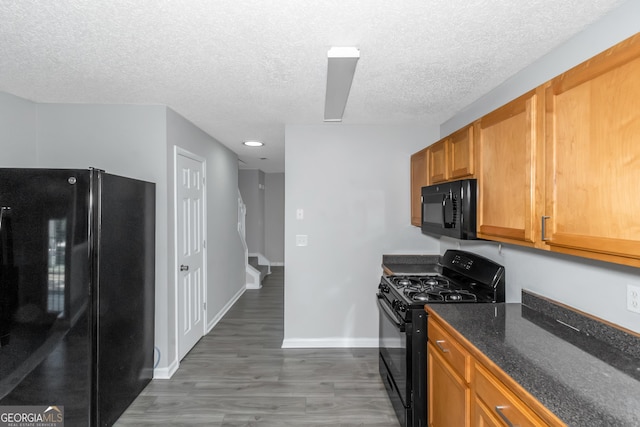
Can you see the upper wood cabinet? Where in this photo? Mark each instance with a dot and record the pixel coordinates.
(438, 154)
(593, 157)
(419, 179)
(508, 154)
(449, 159)
(461, 156)
(452, 158)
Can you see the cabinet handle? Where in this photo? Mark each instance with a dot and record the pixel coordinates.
(544, 227)
(503, 416)
(439, 344)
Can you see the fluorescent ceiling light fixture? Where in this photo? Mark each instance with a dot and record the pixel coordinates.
(342, 66)
(253, 143)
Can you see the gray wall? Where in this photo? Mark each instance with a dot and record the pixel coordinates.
(17, 131)
(594, 287)
(137, 141)
(274, 218)
(353, 184)
(225, 254)
(251, 183)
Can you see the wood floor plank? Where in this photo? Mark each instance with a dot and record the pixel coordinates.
(239, 375)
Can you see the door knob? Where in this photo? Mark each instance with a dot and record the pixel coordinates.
(184, 267)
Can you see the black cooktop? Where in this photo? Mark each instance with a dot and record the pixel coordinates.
(463, 277)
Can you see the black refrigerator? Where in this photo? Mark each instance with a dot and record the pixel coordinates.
(77, 278)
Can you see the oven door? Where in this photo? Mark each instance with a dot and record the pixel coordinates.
(395, 348)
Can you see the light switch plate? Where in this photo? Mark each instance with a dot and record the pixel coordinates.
(300, 213)
(301, 240)
(633, 298)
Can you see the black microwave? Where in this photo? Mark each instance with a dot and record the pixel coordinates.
(449, 209)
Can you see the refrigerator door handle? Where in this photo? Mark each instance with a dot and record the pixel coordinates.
(4, 209)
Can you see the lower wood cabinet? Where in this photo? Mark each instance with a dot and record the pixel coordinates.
(464, 391)
(449, 394)
(502, 406)
(482, 416)
(448, 390)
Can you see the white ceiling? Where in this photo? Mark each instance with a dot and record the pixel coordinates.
(242, 69)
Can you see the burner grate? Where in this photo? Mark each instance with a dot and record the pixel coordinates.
(431, 288)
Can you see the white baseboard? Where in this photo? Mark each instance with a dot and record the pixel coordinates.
(166, 373)
(224, 309)
(330, 342)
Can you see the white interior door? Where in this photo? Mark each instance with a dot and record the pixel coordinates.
(190, 241)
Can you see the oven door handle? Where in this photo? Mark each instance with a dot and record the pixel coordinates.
(391, 315)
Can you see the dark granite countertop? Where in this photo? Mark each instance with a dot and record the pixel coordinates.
(587, 373)
(411, 264)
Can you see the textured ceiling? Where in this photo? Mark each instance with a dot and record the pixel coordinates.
(243, 69)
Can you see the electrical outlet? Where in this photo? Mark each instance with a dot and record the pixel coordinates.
(299, 213)
(633, 298)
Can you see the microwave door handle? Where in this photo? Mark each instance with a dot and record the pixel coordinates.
(444, 210)
(447, 199)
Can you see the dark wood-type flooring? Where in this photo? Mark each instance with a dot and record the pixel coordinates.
(238, 375)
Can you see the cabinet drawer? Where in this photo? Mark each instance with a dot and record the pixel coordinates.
(449, 349)
(501, 402)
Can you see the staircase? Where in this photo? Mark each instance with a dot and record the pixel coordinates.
(262, 269)
(257, 267)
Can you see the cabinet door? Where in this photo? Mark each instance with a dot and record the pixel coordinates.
(482, 415)
(593, 157)
(509, 194)
(461, 154)
(438, 155)
(419, 179)
(501, 402)
(448, 394)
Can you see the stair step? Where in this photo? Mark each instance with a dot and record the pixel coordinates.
(263, 269)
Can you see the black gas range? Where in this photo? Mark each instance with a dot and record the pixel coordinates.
(459, 277)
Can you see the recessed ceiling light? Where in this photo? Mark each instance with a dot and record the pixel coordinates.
(253, 143)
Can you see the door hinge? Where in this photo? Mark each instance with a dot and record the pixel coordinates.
(204, 244)
(204, 305)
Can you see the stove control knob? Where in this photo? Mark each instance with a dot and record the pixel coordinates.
(384, 288)
(401, 306)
